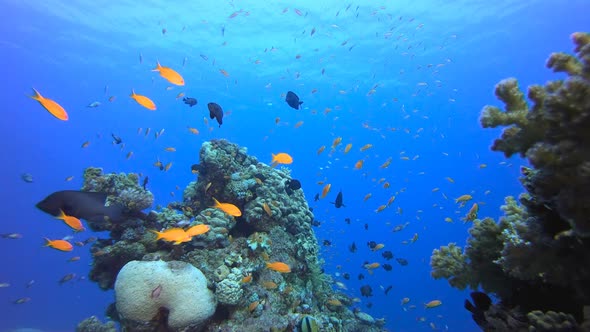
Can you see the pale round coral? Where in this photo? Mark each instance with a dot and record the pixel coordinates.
(183, 292)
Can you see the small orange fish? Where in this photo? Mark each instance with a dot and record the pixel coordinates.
(371, 266)
(270, 285)
(74, 259)
(472, 214)
(224, 73)
(180, 95)
(85, 144)
(279, 267)
(143, 101)
(69, 178)
(347, 148)
(129, 155)
(359, 164)
(170, 149)
(247, 278)
(386, 185)
(367, 196)
(326, 190)
(61, 245)
(334, 302)
(433, 304)
(228, 208)
(176, 235)
(267, 209)
(281, 158)
(380, 208)
(197, 230)
(321, 149)
(298, 124)
(112, 99)
(378, 247)
(366, 147)
(193, 130)
(71, 221)
(386, 163)
(337, 141)
(253, 306)
(169, 74)
(51, 106)
(167, 167)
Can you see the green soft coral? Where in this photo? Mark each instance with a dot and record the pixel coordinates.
(450, 263)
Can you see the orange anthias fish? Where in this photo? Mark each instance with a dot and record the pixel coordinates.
(279, 267)
(71, 221)
(347, 148)
(197, 230)
(169, 74)
(281, 158)
(326, 190)
(61, 245)
(321, 149)
(51, 106)
(176, 235)
(143, 101)
(228, 208)
(359, 164)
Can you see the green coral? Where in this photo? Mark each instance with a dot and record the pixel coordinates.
(450, 263)
(551, 321)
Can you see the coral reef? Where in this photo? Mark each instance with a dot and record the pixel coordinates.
(537, 258)
(276, 225)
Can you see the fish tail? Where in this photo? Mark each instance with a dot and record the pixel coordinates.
(132, 92)
(158, 66)
(47, 242)
(37, 95)
(158, 234)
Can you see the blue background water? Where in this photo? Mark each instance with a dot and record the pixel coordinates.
(71, 50)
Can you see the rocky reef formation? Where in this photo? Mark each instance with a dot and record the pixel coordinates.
(536, 259)
(275, 226)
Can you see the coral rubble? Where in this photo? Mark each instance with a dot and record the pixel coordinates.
(536, 260)
(275, 226)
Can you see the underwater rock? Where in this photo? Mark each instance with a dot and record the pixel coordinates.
(142, 288)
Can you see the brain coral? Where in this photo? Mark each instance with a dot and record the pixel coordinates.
(182, 290)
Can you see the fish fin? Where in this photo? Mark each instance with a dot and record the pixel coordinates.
(37, 95)
(158, 66)
(469, 306)
(300, 102)
(47, 242)
(132, 92)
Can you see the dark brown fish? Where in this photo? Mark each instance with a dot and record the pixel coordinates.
(215, 112)
(80, 204)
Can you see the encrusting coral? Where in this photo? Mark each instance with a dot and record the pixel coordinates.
(536, 260)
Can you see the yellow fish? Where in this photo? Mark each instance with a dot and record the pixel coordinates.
(281, 158)
(143, 101)
(51, 106)
(228, 208)
(169, 74)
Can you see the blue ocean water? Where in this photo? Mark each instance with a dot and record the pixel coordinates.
(408, 77)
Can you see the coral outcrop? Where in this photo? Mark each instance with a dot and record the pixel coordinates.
(276, 225)
(537, 258)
